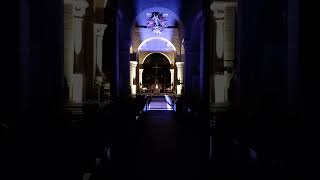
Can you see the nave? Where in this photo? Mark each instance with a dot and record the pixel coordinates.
(120, 140)
(165, 148)
(73, 96)
(163, 144)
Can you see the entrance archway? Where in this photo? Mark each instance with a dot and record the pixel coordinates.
(146, 43)
(156, 77)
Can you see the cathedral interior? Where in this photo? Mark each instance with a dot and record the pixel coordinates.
(154, 89)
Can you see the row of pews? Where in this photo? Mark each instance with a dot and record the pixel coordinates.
(102, 139)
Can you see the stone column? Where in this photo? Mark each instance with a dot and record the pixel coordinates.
(218, 14)
(224, 16)
(140, 77)
(180, 77)
(98, 32)
(218, 79)
(133, 66)
(68, 45)
(219, 85)
(77, 90)
(172, 78)
(229, 44)
(79, 9)
(180, 71)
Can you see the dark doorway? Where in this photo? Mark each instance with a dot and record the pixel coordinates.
(156, 75)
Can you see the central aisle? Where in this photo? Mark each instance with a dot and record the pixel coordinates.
(167, 147)
(159, 103)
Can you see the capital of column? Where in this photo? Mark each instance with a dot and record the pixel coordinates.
(133, 63)
(99, 29)
(179, 64)
(99, 79)
(218, 9)
(79, 8)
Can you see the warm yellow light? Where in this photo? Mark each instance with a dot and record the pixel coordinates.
(131, 50)
(156, 86)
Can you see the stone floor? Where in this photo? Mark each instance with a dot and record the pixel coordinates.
(166, 147)
(159, 103)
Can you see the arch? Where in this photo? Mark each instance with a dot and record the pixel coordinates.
(157, 38)
(164, 76)
(156, 53)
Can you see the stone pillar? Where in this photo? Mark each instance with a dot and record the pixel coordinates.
(133, 66)
(79, 10)
(229, 32)
(218, 14)
(77, 88)
(98, 32)
(224, 16)
(140, 77)
(180, 77)
(219, 84)
(172, 78)
(229, 44)
(68, 45)
(180, 71)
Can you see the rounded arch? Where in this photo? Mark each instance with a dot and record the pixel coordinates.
(165, 55)
(156, 71)
(157, 38)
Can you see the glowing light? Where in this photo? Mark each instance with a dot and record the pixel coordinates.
(131, 49)
(169, 44)
(179, 89)
(133, 65)
(172, 11)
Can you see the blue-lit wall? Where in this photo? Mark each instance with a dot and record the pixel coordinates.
(187, 16)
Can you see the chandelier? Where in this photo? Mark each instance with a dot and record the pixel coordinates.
(157, 22)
